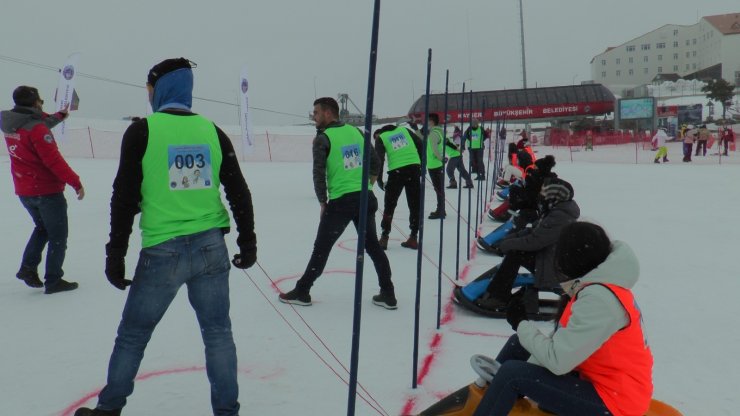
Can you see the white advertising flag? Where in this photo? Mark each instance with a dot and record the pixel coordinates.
(65, 91)
(247, 140)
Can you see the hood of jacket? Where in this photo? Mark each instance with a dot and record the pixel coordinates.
(174, 90)
(19, 117)
(620, 268)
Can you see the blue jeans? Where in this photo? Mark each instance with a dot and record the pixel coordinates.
(567, 394)
(201, 262)
(49, 214)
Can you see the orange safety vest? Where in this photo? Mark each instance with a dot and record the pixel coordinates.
(529, 150)
(621, 369)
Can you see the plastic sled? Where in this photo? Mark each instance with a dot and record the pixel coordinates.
(500, 232)
(463, 402)
(537, 309)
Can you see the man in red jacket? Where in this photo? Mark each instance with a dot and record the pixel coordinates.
(40, 174)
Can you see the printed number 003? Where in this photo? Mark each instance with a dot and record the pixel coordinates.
(190, 161)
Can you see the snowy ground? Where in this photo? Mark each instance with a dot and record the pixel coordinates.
(680, 218)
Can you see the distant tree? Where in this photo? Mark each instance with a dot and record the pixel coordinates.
(719, 90)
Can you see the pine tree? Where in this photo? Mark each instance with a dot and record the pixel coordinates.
(720, 90)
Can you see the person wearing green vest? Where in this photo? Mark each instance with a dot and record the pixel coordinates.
(403, 148)
(435, 164)
(338, 154)
(171, 168)
(474, 138)
(455, 161)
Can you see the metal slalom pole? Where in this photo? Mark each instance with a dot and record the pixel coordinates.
(363, 215)
(421, 225)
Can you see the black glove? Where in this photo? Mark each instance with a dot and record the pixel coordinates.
(115, 267)
(381, 184)
(516, 312)
(246, 257)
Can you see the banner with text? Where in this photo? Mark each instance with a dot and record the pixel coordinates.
(244, 120)
(65, 91)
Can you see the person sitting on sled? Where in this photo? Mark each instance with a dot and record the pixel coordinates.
(533, 248)
(522, 199)
(597, 361)
(512, 171)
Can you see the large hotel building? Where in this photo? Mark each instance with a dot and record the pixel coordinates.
(709, 49)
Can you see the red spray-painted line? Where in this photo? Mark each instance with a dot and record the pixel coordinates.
(448, 317)
(69, 410)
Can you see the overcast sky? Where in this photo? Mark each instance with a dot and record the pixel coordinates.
(296, 50)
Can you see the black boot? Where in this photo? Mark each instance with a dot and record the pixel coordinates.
(656, 161)
(61, 286)
(30, 277)
(452, 185)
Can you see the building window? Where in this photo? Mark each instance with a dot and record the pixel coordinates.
(660, 45)
(603, 74)
(645, 70)
(645, 46)
(618, 61)
(603, 62)
(675, 56)
(632, 72)
(675, 32)
(630, 48)
(687, 67)
(694, 41)
(645, 58)
(631, 59)
(660, 57)
(693, 66)
(660, 69)
(619, 73)
(675, 44)
(688, 42)
(688, 54)
(737, 77)
(693, 53)
(675, 68)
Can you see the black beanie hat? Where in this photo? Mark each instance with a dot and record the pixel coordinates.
(26, 96)
(523, 158)
(545, 164)
(166, 66)
(582, 246)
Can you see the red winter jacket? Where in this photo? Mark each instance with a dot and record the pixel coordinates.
(35, 162)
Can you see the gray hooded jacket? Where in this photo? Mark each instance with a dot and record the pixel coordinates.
(595, 316)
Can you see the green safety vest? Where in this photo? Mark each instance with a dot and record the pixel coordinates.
(400, 148)
(180, 187)
(432, 161)
(476, 138)
(451, 151)
(344, 162)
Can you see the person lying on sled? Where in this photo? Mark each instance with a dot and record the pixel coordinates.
(533, 248)
(597, 361)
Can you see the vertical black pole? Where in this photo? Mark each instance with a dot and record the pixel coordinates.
(442, 221)
(367, 148)
(492, 146)
(459, 181)
(419, 252)
(477, 185)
